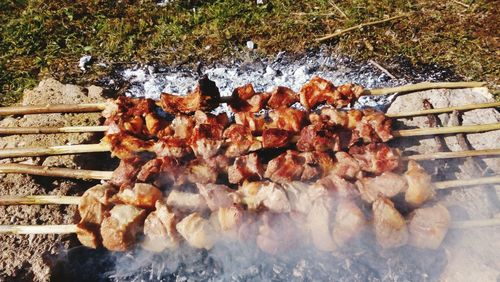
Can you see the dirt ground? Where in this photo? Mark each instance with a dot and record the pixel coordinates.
(24, 257)
(473, 255)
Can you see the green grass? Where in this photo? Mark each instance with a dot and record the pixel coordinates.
(40, 38)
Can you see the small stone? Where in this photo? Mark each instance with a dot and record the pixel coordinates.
(250, 45)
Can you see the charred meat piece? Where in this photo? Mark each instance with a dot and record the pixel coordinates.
(134, 116)
(120, 229)
(248, 167)
(376, 157)
(388, 224)
(338, 187)
(244, 99)
(182, 126)
(186, 202)
(159, 229)
(142, 195)
(197, 231)
(276, 234)
(126, 146)
(315, 92)
(286, 167)
(220, 120)
(287, 119)
(420, 188)
(349, 222)
(318, 137)
(276, 138)
(94, 204)
(345, 94)
(388, 184)
(240, 140)
(428, 226)
(381, 125)
(217, 196)
(126, 172)
(249, 120)
(282, 97)
(206, 140)
(205, 97)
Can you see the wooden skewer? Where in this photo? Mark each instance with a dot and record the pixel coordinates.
(80, 129)
(97, 107)
(106, 175)
(48, 130)
(46, 109)
(445, 110)
(39, 200)
(55, 150)
(71, 228)
(55, 171)
(90, 148)
(69, 200)
(449, 155)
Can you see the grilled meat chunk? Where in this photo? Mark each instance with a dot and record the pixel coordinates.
(217, 196)
(388, 184)
(345, 166)
(276, 234)
(267, 195)
(349, 222)
(248, 167)
(159, 229)
(126, 146)
(186, 202)
(282, 97)
(126, 172)
(205, 97)
(420, 188)
(141, 195)
(255, 123)
(428, 226)
(172, 147)
(197, 231)
(286, 167)
(319, 90)
(287, 119)
(120, 229)
(94, 204)
(240, 141)
(388, 224)
(376, 157)
(244, 99)
(206, 140)
(276, 138)
(318, 137)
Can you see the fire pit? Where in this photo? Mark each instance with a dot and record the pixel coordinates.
(365, 259)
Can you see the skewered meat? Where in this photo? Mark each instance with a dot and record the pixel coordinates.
(276, 234)
(287, 119)
(319, 222)
(318, 137)
(182, 126)
(319, 90)
(206, 140)
(217, 196)
(240, 140)
(268, 195)
(428, 226)
(186, 202)
(248, 167)
(251, 121)
(94, 203)
(126, 146)
(205, 97)
(338, 187)
(244, 99)
(388, 224)
(286, 167)
(200, 171)
(379, 124)
(173, 147)
(276, 138)
(126, 172)
(197, 231)
(349, 222)
(282, 97)
(162, 172)
(141, 195)
(376, 157)
(227, 221)
(420, 187)
(345, 165)
(299, 197)
(119, 230)
(159, 229)
(388, 184)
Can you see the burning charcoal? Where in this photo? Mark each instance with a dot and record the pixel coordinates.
(428, 226)
(119, 230)
(420, 188)
(388, 224)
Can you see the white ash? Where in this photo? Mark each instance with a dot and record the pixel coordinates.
(150, 82)
(84, 61)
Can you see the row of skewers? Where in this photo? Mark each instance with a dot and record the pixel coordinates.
(275, 171)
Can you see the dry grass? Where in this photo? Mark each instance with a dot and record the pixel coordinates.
(48, 37)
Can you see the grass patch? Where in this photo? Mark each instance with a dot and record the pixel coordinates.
(48, 37)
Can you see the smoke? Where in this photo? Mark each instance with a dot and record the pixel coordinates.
(361, 260)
